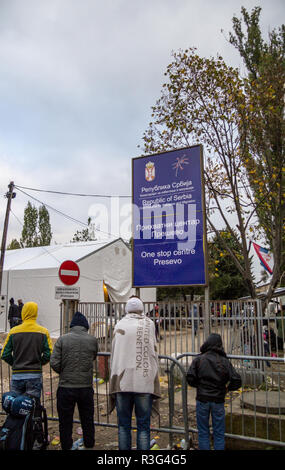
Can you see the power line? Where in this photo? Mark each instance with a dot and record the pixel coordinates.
(62, 213)
(20, 222)
(52, 208)
(69, 194)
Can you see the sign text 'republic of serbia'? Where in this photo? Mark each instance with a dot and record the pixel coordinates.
(169, 219)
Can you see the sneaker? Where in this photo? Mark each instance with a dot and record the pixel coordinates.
(37, 445)
(78, 445)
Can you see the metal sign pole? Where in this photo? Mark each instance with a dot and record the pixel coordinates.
(207, 312)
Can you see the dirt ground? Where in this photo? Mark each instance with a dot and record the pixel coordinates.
(106, 438)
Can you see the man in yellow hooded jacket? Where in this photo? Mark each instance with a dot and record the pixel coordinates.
(27, 348)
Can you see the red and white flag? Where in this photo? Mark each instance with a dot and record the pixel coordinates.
(265, 257)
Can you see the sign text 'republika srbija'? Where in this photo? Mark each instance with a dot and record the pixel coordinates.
(169, 240)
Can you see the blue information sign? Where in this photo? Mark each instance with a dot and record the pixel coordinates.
(169, 241)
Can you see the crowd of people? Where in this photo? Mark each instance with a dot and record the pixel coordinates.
(134, 374)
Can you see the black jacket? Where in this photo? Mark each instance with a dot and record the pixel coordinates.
(13, 312)
(212, 373)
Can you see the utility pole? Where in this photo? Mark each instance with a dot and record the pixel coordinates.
(9, 195)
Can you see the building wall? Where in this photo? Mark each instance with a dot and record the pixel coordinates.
(37, 286)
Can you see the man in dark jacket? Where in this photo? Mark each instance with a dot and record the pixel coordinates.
(213, 375)
(14, 316)
(20, 306)
(72, 359)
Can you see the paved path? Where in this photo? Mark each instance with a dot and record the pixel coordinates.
(270, 402)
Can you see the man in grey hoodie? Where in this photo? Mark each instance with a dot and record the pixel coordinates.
(72, 359)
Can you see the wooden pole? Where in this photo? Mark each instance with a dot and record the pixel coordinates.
(9, 195)
(69, 308)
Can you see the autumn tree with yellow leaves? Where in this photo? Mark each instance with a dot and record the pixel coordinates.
(225, 280)
(240, 122)
(262, 128)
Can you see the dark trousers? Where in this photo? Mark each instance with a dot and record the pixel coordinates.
(67, 398)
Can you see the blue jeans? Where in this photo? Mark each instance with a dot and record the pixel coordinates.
(142, 402)
(33, 387)
(203, 412)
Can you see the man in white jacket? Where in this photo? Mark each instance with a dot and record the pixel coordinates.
(134, 380)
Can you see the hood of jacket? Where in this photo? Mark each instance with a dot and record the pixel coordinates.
(30, 311)
(213, 343)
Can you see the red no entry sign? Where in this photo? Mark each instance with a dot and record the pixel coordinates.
(69, 273)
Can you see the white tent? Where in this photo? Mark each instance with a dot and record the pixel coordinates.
(32, 274)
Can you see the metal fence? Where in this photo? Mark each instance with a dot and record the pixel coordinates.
(254, 342)
(255, 414)
(173, 420)
(248, 341)
(260, 424)
(184, 326)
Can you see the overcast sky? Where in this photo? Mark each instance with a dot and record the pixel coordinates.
(78, 79)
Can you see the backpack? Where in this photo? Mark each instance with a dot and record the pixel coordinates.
(25, 427)
(40, 428)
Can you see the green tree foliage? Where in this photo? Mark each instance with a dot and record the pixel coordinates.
(29, 232)
(201, 102)
(14, 245)
(83, 235)
(178, 293)
(263, 127)
(226, 281)
(44, 227)
(206, 101)
(36, 229)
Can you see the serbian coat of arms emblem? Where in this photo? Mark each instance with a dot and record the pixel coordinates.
(150, 171)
